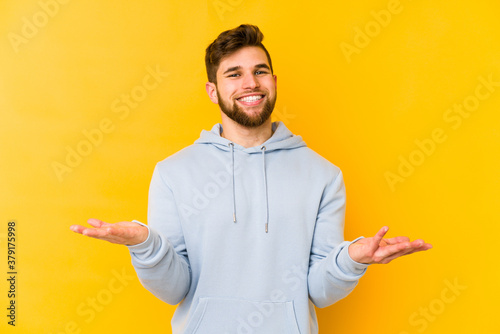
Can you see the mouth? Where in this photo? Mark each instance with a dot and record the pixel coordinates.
(251, 100)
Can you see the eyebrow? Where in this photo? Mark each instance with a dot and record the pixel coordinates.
(235, 68)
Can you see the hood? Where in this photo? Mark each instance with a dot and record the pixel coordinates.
(282, 139)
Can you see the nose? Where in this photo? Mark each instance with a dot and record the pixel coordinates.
(250, 81)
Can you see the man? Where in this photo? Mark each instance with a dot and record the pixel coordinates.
(245, 226)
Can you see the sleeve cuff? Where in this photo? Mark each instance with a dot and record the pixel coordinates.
(347, 264)
(146, 243)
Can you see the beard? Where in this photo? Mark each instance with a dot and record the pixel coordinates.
(237, 114)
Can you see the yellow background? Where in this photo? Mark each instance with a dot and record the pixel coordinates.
(364, 111)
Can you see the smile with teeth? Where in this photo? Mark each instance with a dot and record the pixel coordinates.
(252, 98)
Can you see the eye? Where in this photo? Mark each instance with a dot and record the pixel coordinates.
(234, 75)
(260, 72)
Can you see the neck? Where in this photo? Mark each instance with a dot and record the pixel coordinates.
(245, 136)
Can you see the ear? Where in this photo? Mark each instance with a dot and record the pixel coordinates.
(211, 89)
(275, 80)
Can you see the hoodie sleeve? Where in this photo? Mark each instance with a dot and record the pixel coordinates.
(161, 262)
(332, 272)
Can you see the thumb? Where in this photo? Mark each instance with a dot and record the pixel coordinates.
(380, 235)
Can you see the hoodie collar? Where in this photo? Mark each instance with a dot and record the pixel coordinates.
(282, 138)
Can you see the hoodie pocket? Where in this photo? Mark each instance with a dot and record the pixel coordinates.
(236, 316)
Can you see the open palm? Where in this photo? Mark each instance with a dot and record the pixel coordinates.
(379, 250)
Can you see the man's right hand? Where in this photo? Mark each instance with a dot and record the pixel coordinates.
(123, 233)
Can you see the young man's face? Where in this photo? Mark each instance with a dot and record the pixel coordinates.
(246, 88)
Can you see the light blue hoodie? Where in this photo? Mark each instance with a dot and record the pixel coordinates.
(247, 240)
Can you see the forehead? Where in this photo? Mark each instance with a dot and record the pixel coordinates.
(246, 57)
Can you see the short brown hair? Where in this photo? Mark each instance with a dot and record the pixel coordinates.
(229, 42)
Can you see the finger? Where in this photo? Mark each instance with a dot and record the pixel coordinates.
(420, 243)
(77, 228)
(96, 222)
(396, 240)
(389, 251)
(424, 247)
(395, 256)
(416, 246)
(105, 232)
(402, 253)
(110, 231)
(398, 251)
(379, 236)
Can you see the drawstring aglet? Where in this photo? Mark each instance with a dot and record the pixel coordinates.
(266, 227)
(234, 218)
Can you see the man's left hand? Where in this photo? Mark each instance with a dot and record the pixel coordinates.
(379, 250)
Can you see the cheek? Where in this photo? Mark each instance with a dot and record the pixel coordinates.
(228, 93)
(270, 86)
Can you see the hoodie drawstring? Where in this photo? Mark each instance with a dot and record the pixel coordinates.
(232, 181)
(263, 149)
